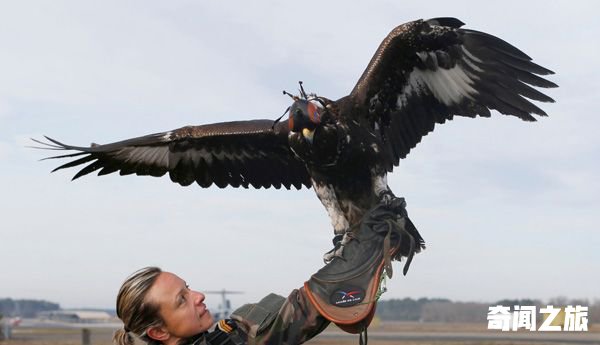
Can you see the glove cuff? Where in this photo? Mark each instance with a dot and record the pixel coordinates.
(349, 303)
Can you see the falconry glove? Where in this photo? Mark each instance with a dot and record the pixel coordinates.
(345, 291)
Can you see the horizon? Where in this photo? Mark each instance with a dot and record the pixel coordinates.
(568, 301)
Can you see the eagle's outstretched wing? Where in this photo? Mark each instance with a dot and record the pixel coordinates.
(242, 153)
(424, 72)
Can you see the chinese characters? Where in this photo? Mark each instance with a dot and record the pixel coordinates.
(555, 319)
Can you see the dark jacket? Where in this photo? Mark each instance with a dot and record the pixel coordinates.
(274, 320)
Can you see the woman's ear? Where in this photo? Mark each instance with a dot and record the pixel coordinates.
(159, 333)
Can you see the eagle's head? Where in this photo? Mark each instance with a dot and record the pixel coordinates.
(304, 117)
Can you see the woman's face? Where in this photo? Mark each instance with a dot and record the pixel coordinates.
(182, 310)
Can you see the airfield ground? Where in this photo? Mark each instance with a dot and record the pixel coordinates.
(381, 334)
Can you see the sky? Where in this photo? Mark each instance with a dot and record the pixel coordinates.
(509, 209)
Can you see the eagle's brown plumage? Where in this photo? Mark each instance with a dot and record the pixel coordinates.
(424, 73)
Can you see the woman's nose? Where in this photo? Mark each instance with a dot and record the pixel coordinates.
(199, 298)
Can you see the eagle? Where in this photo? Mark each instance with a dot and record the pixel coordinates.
(424, 73)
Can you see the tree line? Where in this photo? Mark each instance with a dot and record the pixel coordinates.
(445, 310)
(25, 307)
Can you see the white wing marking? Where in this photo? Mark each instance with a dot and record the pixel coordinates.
(449, 86)
(156, 156)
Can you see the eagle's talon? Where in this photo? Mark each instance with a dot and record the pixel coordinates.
(339, 241)
(329, 256)
(387, 197)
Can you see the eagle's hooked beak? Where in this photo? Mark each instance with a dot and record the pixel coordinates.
(308, 134)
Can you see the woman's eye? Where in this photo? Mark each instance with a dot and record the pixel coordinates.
(183, 296)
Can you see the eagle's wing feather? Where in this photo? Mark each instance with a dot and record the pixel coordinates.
(425, 72)
(242, 153)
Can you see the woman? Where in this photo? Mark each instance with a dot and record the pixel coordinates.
(159, 308)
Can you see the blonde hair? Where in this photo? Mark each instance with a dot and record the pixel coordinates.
(136, 313)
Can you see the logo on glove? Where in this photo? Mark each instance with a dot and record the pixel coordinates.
(347, 296)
